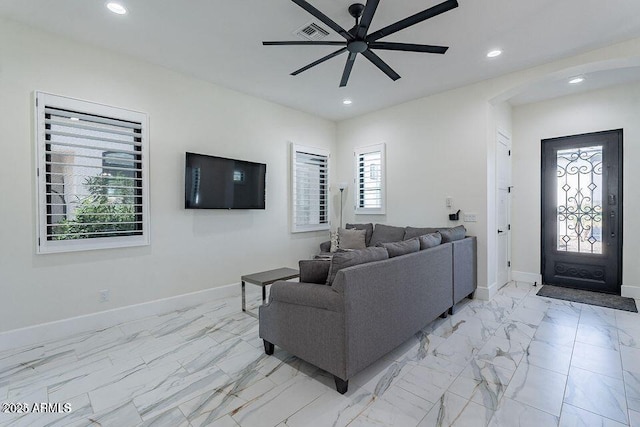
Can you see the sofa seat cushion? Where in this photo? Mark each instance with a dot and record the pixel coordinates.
(386, 233)
(314, 270)
(411, 232)
(453, 234)
(401, 248)
(430, 240)
(342, 260)
(368, 228)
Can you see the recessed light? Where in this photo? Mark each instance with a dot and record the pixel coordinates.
(116, 8)
(576, 80)
(347, 102)
(494, 53)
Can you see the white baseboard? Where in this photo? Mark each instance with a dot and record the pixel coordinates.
(487, 293)
(58, 329)
(630, 291)
(522, 276)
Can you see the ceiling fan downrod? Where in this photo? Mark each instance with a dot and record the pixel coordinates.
(356, 10)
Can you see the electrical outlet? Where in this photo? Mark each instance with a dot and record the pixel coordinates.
(449, 201)
(470, 217)
(104, 295)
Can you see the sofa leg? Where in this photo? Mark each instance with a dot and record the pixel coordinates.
(470, 296)
(268, 347)
(452, 310)
(444, 315)
(341, 385)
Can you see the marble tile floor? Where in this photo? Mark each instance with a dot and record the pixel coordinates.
(517, 360)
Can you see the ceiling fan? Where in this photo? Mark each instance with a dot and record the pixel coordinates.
(358, 41)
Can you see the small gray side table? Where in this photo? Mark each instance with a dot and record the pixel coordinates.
(265, 278)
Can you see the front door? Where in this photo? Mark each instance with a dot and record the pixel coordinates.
(581, 211)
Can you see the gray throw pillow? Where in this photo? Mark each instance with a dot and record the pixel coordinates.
(342, 260)
(367, 227)
(386, 233)
(430, 240)
(314, 270)
(401, 248)
(411, 232)
(453, 234)
(351, 239)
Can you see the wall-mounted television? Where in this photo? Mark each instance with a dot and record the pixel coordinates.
(219, 183)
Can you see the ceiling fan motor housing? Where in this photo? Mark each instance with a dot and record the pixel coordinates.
(357, 46)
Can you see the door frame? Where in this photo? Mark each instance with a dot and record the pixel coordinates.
(620, 218)
(501, 133)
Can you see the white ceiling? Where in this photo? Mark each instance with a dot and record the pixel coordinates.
(220, 41)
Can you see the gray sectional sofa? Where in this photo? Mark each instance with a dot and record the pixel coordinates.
(369, 308)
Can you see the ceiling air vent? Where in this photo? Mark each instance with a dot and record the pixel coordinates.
(311, 31)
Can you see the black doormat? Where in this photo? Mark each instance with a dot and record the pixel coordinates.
(587, 297)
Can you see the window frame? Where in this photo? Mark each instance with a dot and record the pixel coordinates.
(43, 100)
(359, 151)
(302, 228)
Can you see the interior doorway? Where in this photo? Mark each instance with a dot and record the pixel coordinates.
(581, 211)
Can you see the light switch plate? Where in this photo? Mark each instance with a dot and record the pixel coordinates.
(470, 217)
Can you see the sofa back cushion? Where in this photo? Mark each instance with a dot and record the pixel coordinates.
(342, 260)
(401, 248)
(430, 240)
(314, 270)
(351, 238)
(386, 233)
(367, 227)
(453, 234)
(411, 232)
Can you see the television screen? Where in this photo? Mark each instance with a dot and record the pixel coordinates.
(218, 183)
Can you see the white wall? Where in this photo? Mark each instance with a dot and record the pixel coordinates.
(613, 108)
(190, 250)
(436, 148)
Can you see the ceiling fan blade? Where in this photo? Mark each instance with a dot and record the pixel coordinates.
(320, 61)
(367, 17)
(304, 43)
(412, 20)
(347, 69)
(408, 47)
(375, 59)
(324, 18)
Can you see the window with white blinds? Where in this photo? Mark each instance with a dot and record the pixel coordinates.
(370, 179)
(309, 189)
(92, 168)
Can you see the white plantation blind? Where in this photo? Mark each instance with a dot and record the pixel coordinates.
(370, 179)
(309, 189)
(92, 175)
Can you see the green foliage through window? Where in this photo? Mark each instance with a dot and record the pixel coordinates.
(109, 210)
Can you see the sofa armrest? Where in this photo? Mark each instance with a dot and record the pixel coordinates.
(307, 294)
(325, 246)
(465, 268)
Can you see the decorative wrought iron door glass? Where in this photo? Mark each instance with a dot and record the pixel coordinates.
(579, 222)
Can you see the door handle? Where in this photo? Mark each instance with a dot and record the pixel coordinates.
(500, 231)
(613, 222)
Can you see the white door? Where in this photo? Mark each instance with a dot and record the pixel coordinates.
(503, 205)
